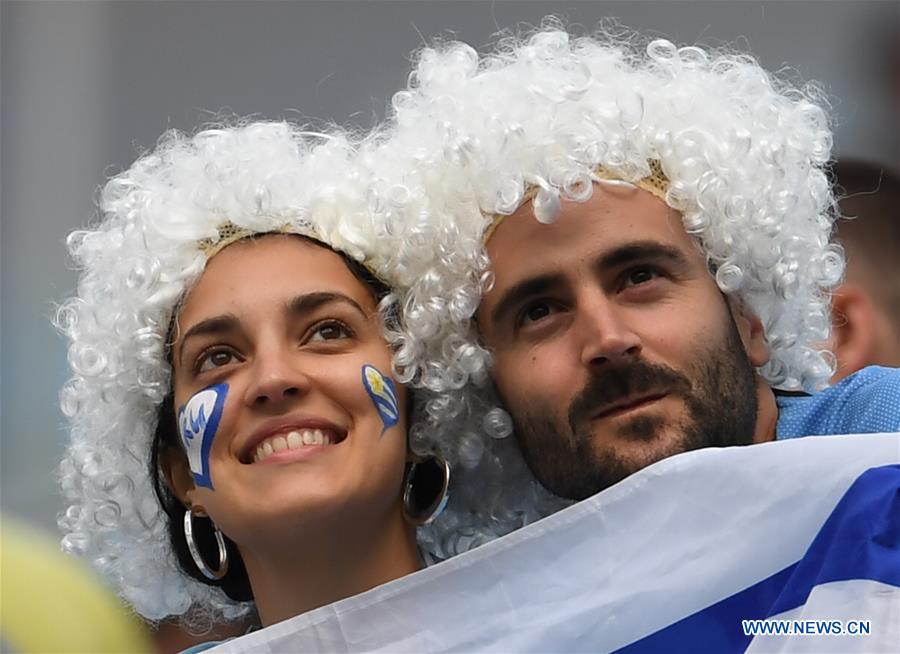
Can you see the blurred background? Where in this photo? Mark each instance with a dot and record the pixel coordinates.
(85, 86)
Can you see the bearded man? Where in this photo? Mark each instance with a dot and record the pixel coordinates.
(630, 242)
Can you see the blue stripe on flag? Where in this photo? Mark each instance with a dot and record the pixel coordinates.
(859, 540)
(716, 628)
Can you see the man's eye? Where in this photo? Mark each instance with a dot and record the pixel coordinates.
(212, 359)
(641, 276)
(329, 331)
(536, 312)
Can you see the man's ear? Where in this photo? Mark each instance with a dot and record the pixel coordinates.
(175, 467)
(853, 337)
(752, 333)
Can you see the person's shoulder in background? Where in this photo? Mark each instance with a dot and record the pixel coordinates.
(866, 402)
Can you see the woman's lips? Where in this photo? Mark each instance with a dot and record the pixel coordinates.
(294, 440)
(289, 437)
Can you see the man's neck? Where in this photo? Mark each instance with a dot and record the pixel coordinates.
(766, 413)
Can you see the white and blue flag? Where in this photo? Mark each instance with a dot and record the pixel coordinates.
(791, 546)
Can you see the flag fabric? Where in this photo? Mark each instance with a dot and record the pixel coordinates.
(790, 546)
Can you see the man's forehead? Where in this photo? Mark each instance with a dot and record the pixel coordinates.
(611, 218)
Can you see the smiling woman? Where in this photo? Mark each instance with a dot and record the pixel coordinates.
(284, 442)
(238, 442)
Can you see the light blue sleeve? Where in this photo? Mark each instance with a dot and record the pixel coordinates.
(202, 647)
(866, 402)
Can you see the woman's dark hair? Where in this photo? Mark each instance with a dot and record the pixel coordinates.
(236, 583)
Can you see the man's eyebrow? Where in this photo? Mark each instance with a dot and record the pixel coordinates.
(642, 251)
(525, 289)
(309, 302)
(616, 258)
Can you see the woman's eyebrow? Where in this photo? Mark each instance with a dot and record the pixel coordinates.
(308, 302)
(226, 323)
(300, 305)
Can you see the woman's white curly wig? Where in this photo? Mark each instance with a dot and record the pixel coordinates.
(474, 136)
(136, 263)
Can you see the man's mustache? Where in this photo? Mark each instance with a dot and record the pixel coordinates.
(618, 381)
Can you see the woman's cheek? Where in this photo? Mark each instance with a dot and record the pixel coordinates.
(199, 420)
(382, 392)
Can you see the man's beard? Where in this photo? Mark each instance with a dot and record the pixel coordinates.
(571, 461)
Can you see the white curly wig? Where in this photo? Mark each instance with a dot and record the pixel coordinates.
(135, 264)
(744, 154)
(475, 136)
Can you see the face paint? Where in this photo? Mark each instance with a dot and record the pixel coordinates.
(198, 421)
(384, 395)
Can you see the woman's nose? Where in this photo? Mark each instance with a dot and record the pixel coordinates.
(276, 379)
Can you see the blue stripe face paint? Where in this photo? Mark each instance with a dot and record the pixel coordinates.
(384, 395)
(198, 421)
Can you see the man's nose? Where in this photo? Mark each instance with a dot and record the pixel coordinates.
(607, 332)
(276, 379)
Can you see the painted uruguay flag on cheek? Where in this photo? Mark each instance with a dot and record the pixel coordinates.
(384, 395)
(198, 421)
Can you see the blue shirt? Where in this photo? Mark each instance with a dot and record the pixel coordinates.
(866, 402)
(202, 647)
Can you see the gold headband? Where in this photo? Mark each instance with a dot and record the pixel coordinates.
(230, 233)
(656, 183)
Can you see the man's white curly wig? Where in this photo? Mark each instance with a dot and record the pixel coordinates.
(744, 153)
(477, 136)
(136, 264)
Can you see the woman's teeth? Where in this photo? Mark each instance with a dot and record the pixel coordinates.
(290, 441)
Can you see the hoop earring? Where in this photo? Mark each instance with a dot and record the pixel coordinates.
(209, 573)
(426, 490)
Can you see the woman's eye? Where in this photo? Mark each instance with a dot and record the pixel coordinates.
(330, 331)
(215, 359)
